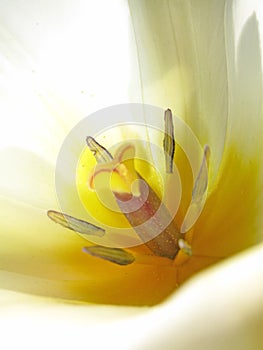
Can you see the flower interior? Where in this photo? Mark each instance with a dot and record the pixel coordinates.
(123, 192)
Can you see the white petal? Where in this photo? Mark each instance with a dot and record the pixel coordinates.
(204, 60)
(50, 324)
(27, 178)
(219, 309)
(245, 82)
(58, 64)
(182, 58)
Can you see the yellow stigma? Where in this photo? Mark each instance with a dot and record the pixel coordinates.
(119, 175)
(96, 182)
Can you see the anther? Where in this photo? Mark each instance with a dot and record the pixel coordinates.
(75, 224)
(116, 255)
(101, 154)
(198, 193)
(168, 141)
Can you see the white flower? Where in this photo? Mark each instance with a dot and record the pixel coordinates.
(59, 63)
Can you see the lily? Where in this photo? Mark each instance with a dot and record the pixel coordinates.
(202, 60)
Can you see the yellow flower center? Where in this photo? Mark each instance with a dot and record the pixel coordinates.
(97, 182)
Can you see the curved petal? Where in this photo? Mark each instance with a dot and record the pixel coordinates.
(207, 313)
(182, 60)
(219, 309)
(203, 59)
(239, 192)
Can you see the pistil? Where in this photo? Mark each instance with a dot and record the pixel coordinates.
(142, 207)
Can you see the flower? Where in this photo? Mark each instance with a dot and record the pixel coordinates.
(205, 72)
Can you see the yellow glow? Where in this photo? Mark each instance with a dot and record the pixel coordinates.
(92, 202)
(38, 256)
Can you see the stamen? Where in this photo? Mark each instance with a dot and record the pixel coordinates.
(115, 255)
(101, 154)
(200, 185)
(185, 247)
(142, 207)
(74, 224)
(198, 193)
(169, 141)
